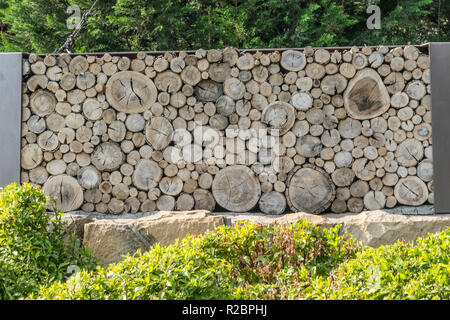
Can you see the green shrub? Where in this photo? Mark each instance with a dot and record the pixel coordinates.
(35, 248)
(241, 262)
(399, 271)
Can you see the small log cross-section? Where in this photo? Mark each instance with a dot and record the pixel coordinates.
(147, 174)
(293, 60)
(208, 90)
(272, 203)
(310, 190)
(411, 191)
(159, 132)
(279, 116)
(66, 192)
(366, 96)
(130, 92)
(107, 157)
(236, 188)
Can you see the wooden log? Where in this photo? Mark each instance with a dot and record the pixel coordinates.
(204, 200)
(394, 82)
(208, 91)
(273, 203)
(359, 189)
(171, 186)
(308, 146)
(349, 128)
(333, 84)
(158, 132)
(245, 61)
(191, 75)
(234, 88)
(31, 156)
(416, 90)
(225, 106)
(56, 167)
(309, 189)
(360, 61)
(343, 177)
(89, 178)
(374, 200)
(36, 124)
(315, 71)
(78, 65)
(411, 191)
(230, 56)
(364, 169)
(146, 175)
(302, 100)
(236, 188)
(292, 60)
(366, 97)
(65, 191)
(219, 72)
(37, 81)
(42, 103)
(425, 170)
(409, 152)
(168, 81)
(48, 141)
(279, 116)
(355, 205)
(185, 202)
(107, 157)
(38, 175)
(331, 138)
(130, 92)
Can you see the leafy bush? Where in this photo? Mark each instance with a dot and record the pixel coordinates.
(399, 271)
(245, 261)
(35, 248)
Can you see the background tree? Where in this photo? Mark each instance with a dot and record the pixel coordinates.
(124, 25)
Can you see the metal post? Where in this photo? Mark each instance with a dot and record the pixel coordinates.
(440, 101)
(10, 117)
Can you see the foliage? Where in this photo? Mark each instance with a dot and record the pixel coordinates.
(229, 263)
(399, 271)
(124, 25)
(34, 246)
(247, 261)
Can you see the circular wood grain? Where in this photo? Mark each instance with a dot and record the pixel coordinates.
(411, 191)
(236, 188)
(130, 92)
(66, 192)
(366, 96)
(310, 190)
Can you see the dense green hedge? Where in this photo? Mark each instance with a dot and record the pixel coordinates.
(35, 247)
(230, 263)
(298, 261)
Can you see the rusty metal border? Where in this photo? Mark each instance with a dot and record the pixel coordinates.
(10, 117)
(440, 113)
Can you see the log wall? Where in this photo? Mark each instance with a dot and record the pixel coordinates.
(314, 130)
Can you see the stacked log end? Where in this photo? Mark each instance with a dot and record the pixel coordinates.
(311, 130)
